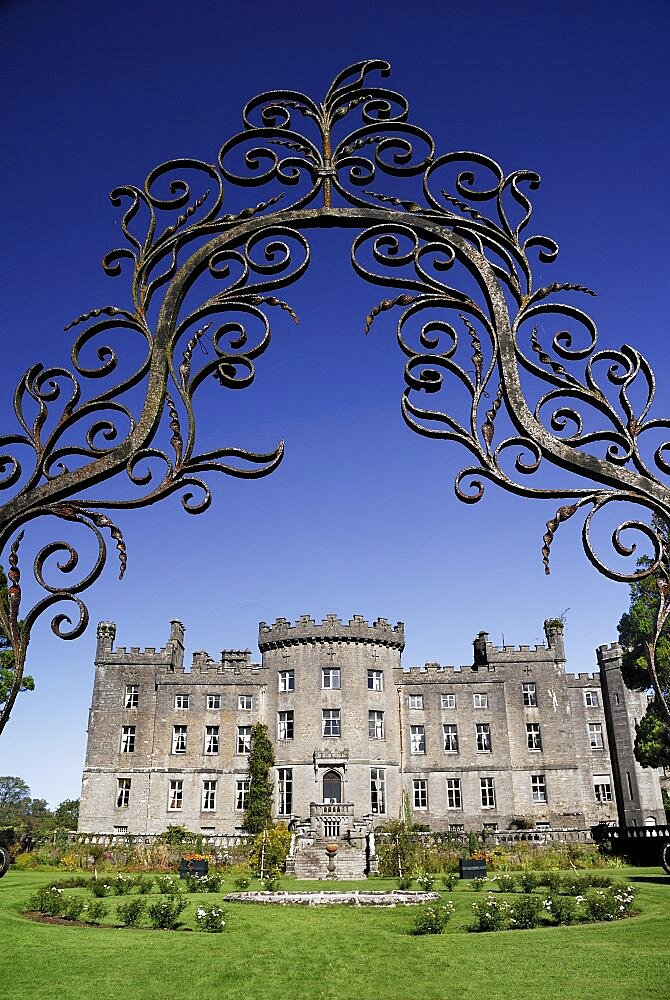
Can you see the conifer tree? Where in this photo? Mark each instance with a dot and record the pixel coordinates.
(258, 812)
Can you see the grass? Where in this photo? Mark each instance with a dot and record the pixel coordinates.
(268, 953)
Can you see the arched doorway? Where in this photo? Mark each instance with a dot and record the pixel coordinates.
(332, 787)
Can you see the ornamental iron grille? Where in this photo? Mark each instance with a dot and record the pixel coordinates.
(461, 278)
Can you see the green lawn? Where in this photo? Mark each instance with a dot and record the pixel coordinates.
(267, 953)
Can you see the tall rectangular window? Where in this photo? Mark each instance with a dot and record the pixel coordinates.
(122, 792)
(448, 700)
(378, 791)
(285, 725)
(538, 784)
(591, 698)
(243, 739)
(596, 736)
(211, 739)
(209, 795)
(127, 739)
(454, 800)
(376, 725)
(213, 701)
(480, 700)
(420, 790)
(417, 736)
(284, 791)
(181, 701)
(244, 702)
(450, 734)
(331, 722)
(533, 736)
(529, 695)
(241, 793)
(375, 680)
(132, 696)
(330, 678)
(483, 733)
(286, 680)
(176, 795)
(179, 739)
(487, 792)
(416, 701)
(602, 787)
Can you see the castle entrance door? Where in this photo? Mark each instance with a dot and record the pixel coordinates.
(332, 787)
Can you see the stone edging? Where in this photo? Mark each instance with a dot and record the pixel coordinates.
(364, 897)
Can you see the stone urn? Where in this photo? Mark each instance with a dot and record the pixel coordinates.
(331, 851)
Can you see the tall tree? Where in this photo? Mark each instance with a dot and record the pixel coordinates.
(644, 634)
(258, 812)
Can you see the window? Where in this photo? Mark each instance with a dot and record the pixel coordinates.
(448, 700)
(132, 696)
(330, 678)
(454, 800)
(243, 739)
(176, 798)
(450, 733)
(483, 730)
(602, 787)
(211, 739)
(533, 736)
(378, 791)
(538, 785)
(417, 739)
(376, 725)
(480, 700)
(285, 725)
(179, 739)
(213, 701)
(122, 792)
(491, 827)
(596, 735)
(456, 828)
(286, 680)
(331, 722)
(181, 701)
(375, 680)
(284, 791)
(208, 795)
(121, 829)
(529, 694)
(420, 787)
(591, 699)
(244, 702)
(487, 792)
(416, 701)
(127, 739)
(241, 792)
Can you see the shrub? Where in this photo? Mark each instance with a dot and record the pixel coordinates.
(272, 881)
(526, 912)
(529, 880)
(130, 911)
(275, 850)
(25, 862)
(164, 913)
(405, 882)
(48, 899)
(144, 885)
(242, 882)
(95, 911)
(167, 885)
(193, 883)
(98, 888)
(425, 881)
(449, 881)
(610, 904)
(553, 881)
(563, 909)
(211, 920)
(479, 883)
(70, 861)
(506, 882)
(122, 885)
(491, 914)
(600, 881)
(576, 885)
(74, 882)
(72, 907)
(432, 919)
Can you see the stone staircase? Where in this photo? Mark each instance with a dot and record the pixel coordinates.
(311, 862)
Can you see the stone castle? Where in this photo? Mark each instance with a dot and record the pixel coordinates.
(512, 740)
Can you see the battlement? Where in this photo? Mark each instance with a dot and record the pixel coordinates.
(171, 655)
(331, 629)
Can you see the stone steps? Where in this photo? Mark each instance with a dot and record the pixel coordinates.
(312, 863)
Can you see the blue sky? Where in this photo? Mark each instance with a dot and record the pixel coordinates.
(361, 516)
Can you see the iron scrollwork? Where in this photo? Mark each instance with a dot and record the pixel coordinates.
(517, 365)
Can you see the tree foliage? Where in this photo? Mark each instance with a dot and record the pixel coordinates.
(258, 812)
(636, 627)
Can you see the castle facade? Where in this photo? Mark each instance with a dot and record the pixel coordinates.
(510, 740)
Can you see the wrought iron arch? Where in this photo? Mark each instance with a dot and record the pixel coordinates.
(556, 390)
